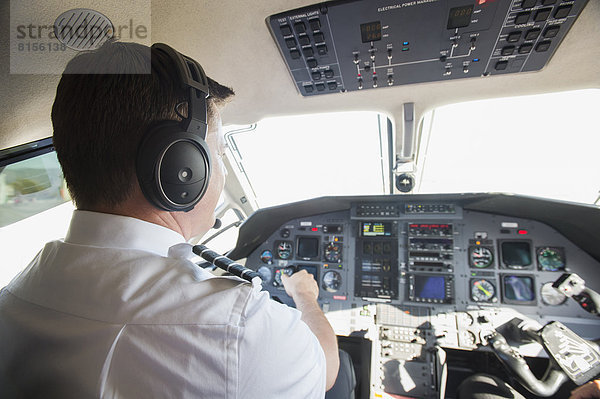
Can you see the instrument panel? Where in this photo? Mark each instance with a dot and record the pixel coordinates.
(347, 45)
(432, 254)
(418, 275)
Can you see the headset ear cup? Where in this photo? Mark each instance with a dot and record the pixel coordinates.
(173, 167)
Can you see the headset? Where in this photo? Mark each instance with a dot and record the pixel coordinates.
(173, 163)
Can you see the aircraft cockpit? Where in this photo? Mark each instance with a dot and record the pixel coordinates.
(431, 163)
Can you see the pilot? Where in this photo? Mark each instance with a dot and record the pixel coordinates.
(116, 308)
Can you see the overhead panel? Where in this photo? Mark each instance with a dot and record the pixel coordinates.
(344, 46)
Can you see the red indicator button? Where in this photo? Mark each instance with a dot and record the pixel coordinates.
(315, 229)
(522, 232)
(340, 297)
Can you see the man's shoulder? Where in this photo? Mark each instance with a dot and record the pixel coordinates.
(129, 287)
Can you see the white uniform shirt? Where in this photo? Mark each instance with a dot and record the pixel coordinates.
(111, 312)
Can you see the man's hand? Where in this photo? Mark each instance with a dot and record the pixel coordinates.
(591, 390)
(300, 286)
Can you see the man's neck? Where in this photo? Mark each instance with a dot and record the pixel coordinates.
(146, 212)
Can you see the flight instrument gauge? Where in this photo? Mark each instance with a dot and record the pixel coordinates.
(551, 296)
(284, 249)
(481, 257)
(266, 257)
(333, 252)
(550, 259)
(277, 280)
(332, 281)
(483, 291)
(265, 273)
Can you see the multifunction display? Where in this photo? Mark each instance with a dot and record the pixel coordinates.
(377, 229)
(376, 273)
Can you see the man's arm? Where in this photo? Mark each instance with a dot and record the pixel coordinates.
(304, 290)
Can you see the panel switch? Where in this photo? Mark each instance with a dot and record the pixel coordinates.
(315, 24)
(528, 3)
(562, 12)
(501, 65)
(542, 15)
(514, 37)
(285, 30)
(551, 31)
(522, 18)
(532, 34)
(290, 43)
(300, 27)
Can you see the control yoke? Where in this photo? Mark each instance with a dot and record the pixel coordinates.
(571, 357)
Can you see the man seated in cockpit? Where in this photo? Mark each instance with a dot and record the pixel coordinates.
(116, 309)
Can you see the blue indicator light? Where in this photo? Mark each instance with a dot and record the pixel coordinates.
(405, 43)
(475, 59)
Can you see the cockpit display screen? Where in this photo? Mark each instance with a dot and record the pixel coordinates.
(370, 32)
(376, 229)
(518, 289)
(308, 247)
(460, 17)
(516, 254)
(430, 287)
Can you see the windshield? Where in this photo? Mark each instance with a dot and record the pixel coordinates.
(543, 145)
(292, 158)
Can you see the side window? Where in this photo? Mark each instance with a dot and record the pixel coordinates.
(31, 186)
(35, 206)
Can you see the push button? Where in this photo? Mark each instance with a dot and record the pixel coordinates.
(316, 75)
(522, 18)
(320, 86)
(525, 48)
(508, 50)
(501, 65)
(332, 85)
(315, 24)
(542, 46)
(322, 49)
(532, 34)
(319, 37)
(295, 54)
(562, 12)
(300, 27)
(329, 74)
(528, 3)
(514, 37)
(308, 51)
(311, 62)
(304, 40)
(551, 31)
(285, 30)
(309, 88)
(290, 43)
(542, 15)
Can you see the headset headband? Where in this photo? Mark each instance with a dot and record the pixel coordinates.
(192, 78)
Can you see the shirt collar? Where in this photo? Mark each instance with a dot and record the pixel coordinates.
(114, 231)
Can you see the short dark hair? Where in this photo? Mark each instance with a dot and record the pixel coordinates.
(106, 99)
